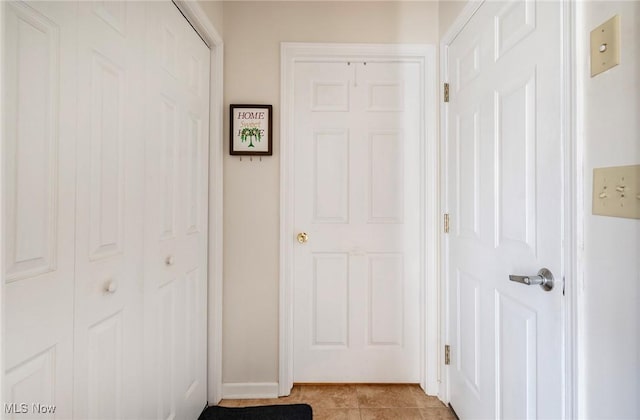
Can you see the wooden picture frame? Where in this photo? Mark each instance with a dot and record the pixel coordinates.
(251, 130)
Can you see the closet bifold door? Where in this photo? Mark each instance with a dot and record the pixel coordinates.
(39, 140)
(175, 239)
(105, 155)
(109, 282)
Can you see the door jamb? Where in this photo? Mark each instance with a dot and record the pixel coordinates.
(202, 24)
(571, 207)
(425, 55)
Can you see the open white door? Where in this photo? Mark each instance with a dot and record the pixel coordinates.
(504, 196)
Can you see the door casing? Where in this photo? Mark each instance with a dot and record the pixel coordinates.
(430, 225)
(572, 185)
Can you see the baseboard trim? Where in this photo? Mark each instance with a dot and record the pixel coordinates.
(240, 391)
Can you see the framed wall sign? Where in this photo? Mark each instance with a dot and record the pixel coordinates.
(251, 130)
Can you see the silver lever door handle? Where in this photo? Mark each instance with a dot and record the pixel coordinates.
(544, 279)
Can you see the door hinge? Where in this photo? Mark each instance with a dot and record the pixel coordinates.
(446, 92)
(447, 355)
(446, 223)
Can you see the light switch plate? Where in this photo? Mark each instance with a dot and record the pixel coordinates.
(616, 191)
(605, 46)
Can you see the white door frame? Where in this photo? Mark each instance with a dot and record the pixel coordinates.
(209, 34)
(572, 185)
(429, 288)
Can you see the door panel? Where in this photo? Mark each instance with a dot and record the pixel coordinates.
(107, 166)
(386, 174)
(331, 176)
(357, 196)
(503, 172)
(385, 300)
(176, 132)
(31, 181)
(33, 380)
(39, 161)
(515, 359)
(108, 285)
(515, 170)
(105, 361)
(467, 354)
(330, 299)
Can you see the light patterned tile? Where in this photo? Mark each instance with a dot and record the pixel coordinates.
(329, 396)
(336, 414)
(390, 414)
(441, 413)
(425, 400)
(355, 402)
(387, 396)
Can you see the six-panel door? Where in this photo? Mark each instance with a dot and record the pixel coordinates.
(357, 131)
(504, 193)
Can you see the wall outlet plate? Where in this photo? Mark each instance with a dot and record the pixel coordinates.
(616, 191)
(605, 46)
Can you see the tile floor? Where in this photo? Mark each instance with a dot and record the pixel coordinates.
(360, 402)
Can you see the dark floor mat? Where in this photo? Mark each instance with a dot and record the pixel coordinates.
(266, 412)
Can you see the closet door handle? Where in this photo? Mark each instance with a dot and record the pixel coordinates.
(111, 286)
(169, 260)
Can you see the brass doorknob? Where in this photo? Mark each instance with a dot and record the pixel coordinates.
(303, 237)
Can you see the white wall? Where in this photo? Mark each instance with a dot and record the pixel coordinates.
(610, 378)
(448, 12)
(252, 34)
(214, 10)
(610, 295)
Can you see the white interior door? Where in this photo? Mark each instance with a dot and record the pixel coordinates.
(357, 130)
(39, 161)
(504, 187)
(176, 214)
(108, 302)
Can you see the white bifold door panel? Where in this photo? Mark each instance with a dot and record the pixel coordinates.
(177, 123)
(504, 196)
(39, 123)
(106, 127)
(357, 196)
(108, 282)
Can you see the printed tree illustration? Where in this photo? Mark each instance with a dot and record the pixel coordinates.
(251, 134)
